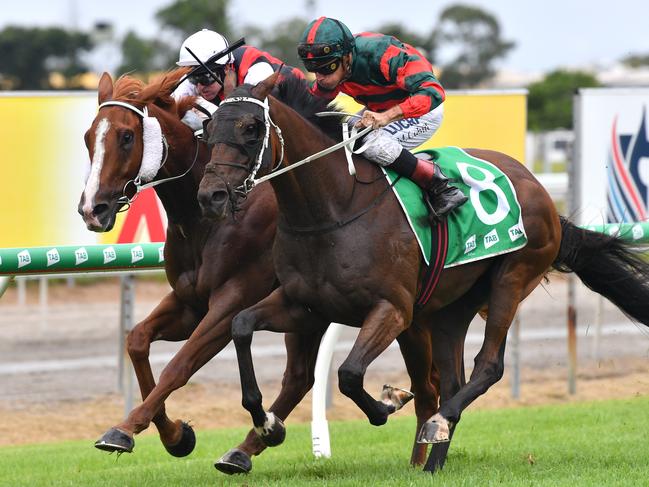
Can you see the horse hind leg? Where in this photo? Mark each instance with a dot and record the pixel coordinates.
(448, 328)
(510, 282)
(415, 344)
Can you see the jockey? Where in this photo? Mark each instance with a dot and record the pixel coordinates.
(250, 65)
(402, 99)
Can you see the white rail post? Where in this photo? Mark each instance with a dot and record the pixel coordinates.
(319, 424)
(21, 290)
(126, 325)
(4, 283)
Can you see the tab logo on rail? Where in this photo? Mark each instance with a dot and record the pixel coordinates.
(80, 256)
(53, 257)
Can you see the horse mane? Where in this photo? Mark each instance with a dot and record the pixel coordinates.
(158, 92)
(295, 93)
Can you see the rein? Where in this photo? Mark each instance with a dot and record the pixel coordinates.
(346, 143)
(137, 182)
(250, 181)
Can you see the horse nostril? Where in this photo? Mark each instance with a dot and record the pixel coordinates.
(100, 209)
(219, 197)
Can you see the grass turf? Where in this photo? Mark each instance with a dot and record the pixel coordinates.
(596, 443)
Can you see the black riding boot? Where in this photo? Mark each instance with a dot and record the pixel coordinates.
(441, 198)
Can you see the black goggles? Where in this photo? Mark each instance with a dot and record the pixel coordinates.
(322, 51)
(320, 66)
(204, 78)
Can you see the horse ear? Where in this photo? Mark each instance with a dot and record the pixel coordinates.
(230, 81)
(105, 90)
(262, 89)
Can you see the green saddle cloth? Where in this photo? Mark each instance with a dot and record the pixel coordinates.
(488, 224)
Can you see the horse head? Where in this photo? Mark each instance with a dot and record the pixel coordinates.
(125, 143)
(239, 135)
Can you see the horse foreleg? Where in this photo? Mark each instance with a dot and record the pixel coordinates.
(273, 313)
(209, 338)
(170, 320)
(301, 355)
(383, 325)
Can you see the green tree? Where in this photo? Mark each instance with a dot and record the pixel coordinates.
(30, 54)
(636, 60)
(549, 101)
(474, 37)
(189, 16)
(144, 55)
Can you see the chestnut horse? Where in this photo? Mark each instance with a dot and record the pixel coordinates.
(215, 269)
(345, 253)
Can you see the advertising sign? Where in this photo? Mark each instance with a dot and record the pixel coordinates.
(612, 155)
(44, 162)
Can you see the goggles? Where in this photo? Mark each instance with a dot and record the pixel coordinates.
(320, 66)
(204, 78)
(320, 58)
(319, 50)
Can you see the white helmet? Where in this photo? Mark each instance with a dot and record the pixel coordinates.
(204, 43)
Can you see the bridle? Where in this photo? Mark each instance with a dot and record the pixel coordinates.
(250, 182)
(143, 181)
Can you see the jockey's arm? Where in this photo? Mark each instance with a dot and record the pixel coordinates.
(258, 72)
(411, 72)
(380, 119)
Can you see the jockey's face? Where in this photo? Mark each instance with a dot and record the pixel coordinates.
(332, 80)
(209, 92)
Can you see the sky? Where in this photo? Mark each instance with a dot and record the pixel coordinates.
(548, 33)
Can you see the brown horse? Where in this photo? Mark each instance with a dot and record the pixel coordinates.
(345, 253)
(215, 269)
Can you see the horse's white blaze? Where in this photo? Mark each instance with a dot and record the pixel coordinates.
(92, 183)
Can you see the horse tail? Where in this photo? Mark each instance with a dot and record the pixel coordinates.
(609, 266)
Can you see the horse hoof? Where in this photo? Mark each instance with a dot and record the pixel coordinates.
(273, 432)
(233, 462)
(435, 430)
(186, 444)
(115, 440)
(395, 398)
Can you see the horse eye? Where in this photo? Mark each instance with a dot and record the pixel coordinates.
(251, 129)
(127, 138)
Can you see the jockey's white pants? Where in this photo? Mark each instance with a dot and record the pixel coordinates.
(408, 133)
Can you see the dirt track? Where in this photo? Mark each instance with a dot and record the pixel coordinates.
(82, 402)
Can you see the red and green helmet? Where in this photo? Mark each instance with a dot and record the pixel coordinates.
(324, 42)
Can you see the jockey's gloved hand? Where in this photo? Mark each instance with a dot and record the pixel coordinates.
(193, 120)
